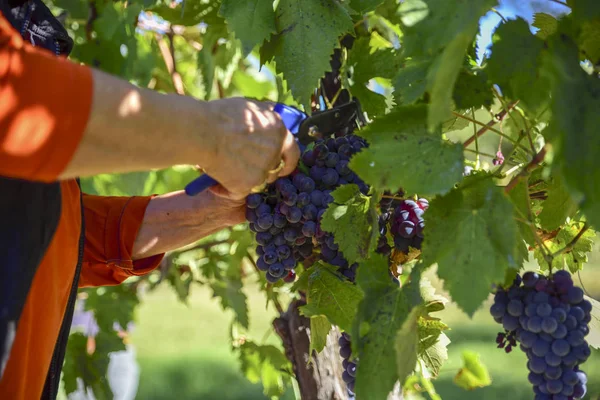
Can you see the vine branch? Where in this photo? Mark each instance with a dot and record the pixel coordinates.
(573, 242)
(168, 53)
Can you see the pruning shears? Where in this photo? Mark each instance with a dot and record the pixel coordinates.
(305, 128)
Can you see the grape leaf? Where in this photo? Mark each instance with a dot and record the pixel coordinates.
(332, 296)
(253, 21)
(546, 24)
(520, 199)
(514, 64)
(352, 218)
(381, 314)
(573, 259)
(433, 346)
(190, 12)
(410, 82)
(593, 338)
(455, 124)
(112, 304)
(584, 10)
(407, 344)
(366, 65)
(575, 105)
(441, 31)
(265, 364)
(589, 40)
(472, 228)
(363, 6)
(319, 329)
(402, 153)
(308, 33)
(473, 374)
(557, 207)
(232, 297)
(472, 90)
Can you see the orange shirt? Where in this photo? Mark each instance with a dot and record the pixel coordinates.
(45, 103)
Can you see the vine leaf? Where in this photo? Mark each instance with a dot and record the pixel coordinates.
(402, 153)
(319, 329)
(232, 297)
(573, 259)
(332, 296)
(410, 83)
(558, 206)
(442, 32)
(575, 105)
(368, 64)
(433, 345)
(381, 314)
(472, 90)
(352, 218)
(308, 33)
(589, 40)
(514, 64)
(407, 345)
(473, 374)
(265, 364)
(593, 338)
(472, 228)
(363, 6)
(546, 24)
(253, 21)
(520, 199)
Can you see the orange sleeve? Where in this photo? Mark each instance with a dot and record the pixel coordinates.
(111, 226)
(45, 102)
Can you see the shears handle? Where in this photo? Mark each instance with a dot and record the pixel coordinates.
(291, 117)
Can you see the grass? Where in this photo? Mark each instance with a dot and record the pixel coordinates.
(184, 351)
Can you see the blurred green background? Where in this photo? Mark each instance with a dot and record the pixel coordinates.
(184, 351)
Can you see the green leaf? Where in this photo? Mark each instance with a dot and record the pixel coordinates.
(519, 196)
(112, 304)
(319, 329)
(455, 124)
(473, 374)
(514, 64)
(472, 228)
(407, 344)
(433, 345)
(381, 314)
(253, 21)
(352, 218)
(206, 65)
(366, 65)
(593, 338)
(402, 153)
(546, 24)
(589, 40)
(472, 90)
(557, 207)
(265, 364)
(441, 79)
(191, 12)
(308, 33)
(411, 82)
(574, 259)
(584, 10)
(232, 297)
(575, 105)
(332, 296)
(363, 6)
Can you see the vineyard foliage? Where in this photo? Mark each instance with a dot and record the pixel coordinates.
(504, 144)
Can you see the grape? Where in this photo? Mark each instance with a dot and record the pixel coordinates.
(263, 238)
(254, 200)
(289, 263)
(265, 221)
(283, 252)
(309, 229)
(330, 177)
(549, 325)
(342, 168)
(277, 270)
(544, 309)
(575, 295)
(515, 308)
(270, 257)
(345, 351)
(262, 264)
(294, 215)
(251, 215)
(530, 279)
(290, 277)
(308, 158)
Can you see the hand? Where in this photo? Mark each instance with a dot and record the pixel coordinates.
(250, 140)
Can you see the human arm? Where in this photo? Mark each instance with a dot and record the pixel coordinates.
(62, 120)
(128, 236)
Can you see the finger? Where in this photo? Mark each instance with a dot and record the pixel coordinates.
(290, 155)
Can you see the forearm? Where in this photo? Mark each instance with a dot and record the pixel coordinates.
(174, 220)
(128, 130)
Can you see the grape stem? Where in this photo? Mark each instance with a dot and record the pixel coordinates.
(569, 247)
(534, 163)
(168, 54)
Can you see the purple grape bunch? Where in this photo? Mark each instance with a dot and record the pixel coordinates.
(286, 217)
(549, 318)
(349, 363)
